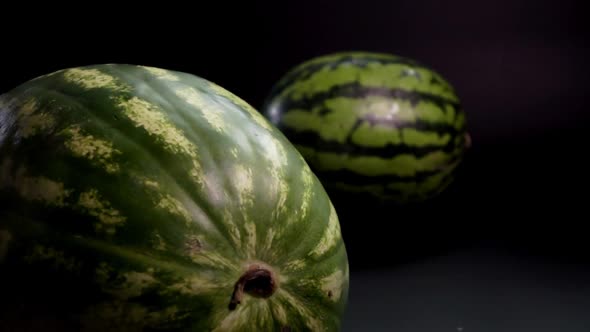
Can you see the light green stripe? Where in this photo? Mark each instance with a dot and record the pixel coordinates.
(420, 138)
(344, 112)
(32, 188)
(299, 308)
(84, 145)
(89, 79)
(330, 127)
(374, 107)
(331, 235)
(335, 57)
(32, 120)
(393, 76)
(405, 165)
(327, 60)
(376, 136)
(407, 190)
(429, 185)
(449, 115)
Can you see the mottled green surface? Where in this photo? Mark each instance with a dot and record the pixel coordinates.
(372, 122)
(133, 199)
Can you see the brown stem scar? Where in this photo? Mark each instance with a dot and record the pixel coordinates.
(468, 140)
(256, 281)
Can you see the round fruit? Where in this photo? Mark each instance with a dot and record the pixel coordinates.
(372, 123)
(135, 198)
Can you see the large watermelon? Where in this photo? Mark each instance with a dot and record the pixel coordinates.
(140, 199)
(372, 123)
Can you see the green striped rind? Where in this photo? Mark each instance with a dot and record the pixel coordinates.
(148, 191)
(371, 122)
(368, 69)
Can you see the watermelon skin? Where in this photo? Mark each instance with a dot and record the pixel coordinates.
(135, 198)
(372, 123)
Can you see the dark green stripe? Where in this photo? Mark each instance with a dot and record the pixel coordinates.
(313, 140)
(358, 91)
(304, 71)
(402, 196)
(439, 128)
(352, 178)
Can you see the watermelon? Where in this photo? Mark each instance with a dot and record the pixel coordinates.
(136, 198)
(372, 123)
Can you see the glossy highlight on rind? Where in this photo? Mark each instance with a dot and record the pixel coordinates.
(138, 196)
(372, 122)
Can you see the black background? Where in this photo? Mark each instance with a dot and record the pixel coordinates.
(505, 248)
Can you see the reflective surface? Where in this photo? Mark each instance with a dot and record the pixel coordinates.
(472, 291)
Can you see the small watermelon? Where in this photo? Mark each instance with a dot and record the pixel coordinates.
(141, 199)
(372, 123)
